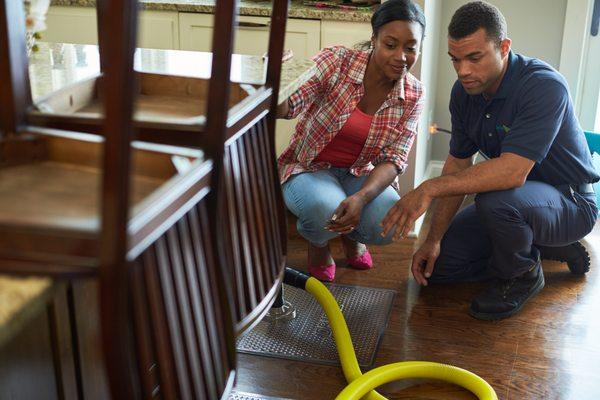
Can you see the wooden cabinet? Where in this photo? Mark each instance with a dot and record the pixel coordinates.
(157, 29)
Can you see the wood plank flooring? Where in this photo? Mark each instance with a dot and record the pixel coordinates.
(551, 350)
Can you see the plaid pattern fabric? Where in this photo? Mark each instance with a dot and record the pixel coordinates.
(325, 103)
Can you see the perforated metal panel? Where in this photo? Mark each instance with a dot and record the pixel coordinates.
(251, 396)
(309, 338)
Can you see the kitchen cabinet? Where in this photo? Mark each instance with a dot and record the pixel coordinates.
(252, 34)
(156, 29)
(344, 33)
(71, 25)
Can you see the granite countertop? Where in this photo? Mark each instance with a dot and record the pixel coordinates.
(247, 7)
(56, 65)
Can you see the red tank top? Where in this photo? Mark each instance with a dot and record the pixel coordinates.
(346, 146)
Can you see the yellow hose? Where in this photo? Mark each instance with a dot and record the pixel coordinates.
(361, 385)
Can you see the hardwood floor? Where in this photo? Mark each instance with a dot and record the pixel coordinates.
(551, 350)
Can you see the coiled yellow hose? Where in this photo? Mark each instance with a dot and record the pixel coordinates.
(361, 385)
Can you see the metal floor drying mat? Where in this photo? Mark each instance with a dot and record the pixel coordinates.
(251, 396)
(308, 336)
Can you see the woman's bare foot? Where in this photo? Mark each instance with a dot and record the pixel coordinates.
(319, 256)
(352, 248)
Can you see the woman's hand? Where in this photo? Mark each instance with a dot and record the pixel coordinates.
(347, 216)
(424, 260)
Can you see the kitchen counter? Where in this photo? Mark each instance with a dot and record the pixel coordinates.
(256, 8)
(56, 65)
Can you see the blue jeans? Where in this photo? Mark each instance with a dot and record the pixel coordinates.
(497, 235)
(314, 196)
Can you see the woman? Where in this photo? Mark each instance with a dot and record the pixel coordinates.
(358, 119)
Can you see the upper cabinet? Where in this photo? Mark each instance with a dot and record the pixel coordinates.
(252, 34)
(156, 29)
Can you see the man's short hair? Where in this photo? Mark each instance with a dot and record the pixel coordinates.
(469, 18)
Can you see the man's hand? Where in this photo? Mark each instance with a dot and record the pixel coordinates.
(347, 216)
(424, 260)
(405, 212)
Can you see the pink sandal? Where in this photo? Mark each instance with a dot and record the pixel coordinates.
(324, 273)
(364, 261)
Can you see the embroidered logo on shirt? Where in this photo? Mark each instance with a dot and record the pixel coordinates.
(503, 128)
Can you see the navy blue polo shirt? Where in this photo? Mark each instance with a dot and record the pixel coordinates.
(530, 115)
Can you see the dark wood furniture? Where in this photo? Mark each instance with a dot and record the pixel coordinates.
(184, 260)
(179, 111)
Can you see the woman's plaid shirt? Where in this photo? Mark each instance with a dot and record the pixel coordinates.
(325, 103)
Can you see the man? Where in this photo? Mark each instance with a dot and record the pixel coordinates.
(534, 194)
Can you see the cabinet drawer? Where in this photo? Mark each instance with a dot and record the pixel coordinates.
(252, 34)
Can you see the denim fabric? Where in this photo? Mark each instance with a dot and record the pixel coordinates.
(314, 196)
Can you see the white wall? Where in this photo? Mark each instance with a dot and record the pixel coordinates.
(426, 71)
(429, 74)
(536, 29)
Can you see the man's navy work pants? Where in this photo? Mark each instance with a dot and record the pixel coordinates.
(497, 236)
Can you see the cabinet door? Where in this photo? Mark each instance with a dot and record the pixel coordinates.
(156, 29)
(71, 25)
(195, 31)
(344, 33)
(302, 36)
(252, 35)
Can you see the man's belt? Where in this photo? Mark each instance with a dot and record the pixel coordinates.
(582, 188)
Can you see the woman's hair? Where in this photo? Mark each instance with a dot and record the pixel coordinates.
(395, 10)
